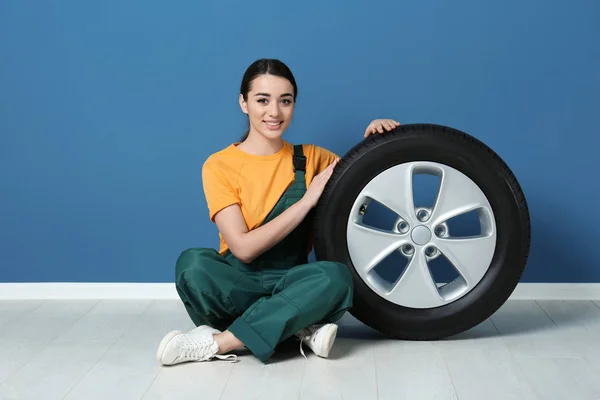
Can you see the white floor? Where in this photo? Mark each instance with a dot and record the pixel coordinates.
(89, 349)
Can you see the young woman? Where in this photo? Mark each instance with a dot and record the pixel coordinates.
(259, 289)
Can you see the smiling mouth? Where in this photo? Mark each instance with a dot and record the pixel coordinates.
(273, 123)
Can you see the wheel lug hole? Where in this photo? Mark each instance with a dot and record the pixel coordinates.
(423, 215)
(403, 227)
(408, 249)
(430, 251)
(440, 230)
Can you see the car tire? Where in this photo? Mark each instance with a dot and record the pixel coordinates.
(458, 157)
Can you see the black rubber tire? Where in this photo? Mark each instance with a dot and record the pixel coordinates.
(427, 142)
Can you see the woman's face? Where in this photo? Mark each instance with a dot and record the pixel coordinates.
(270, 105)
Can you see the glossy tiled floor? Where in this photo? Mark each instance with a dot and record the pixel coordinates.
(106, 350)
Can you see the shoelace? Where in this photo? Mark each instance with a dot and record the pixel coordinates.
(302, 350)
(232, 357)
(306, 333)
(194, 347)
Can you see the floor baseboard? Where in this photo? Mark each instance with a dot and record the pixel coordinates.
(87, 290)
(160, 291)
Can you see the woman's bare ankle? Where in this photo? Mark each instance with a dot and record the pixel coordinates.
(227, 342)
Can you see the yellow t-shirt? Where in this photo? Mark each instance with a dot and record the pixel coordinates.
(231, 176)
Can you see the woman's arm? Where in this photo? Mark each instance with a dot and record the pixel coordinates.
(248, 245)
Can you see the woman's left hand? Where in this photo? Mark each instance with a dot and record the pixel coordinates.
(378, 125)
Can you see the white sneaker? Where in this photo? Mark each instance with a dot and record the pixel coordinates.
(206, 328)
(198, 345)
(319, 338)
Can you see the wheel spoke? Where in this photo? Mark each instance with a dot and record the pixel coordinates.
(393, 189)
(368, 246)
(416, 287)
(470, 256)
(457, 195)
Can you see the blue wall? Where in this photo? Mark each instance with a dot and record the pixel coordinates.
(108, 110)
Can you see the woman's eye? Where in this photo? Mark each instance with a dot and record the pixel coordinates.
(262, 100)
(286, 101)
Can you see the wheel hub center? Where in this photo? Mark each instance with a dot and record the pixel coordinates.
(420, 235)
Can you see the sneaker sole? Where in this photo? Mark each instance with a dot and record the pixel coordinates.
(329, 338)
(163, 345)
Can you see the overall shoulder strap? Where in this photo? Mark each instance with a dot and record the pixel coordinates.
(299, 158)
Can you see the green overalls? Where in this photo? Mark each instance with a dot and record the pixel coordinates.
(279, 293)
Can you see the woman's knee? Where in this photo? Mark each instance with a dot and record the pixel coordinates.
(195, 267)
(339, 278)
(193, 259)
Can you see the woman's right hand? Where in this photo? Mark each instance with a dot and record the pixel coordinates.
(316, 187)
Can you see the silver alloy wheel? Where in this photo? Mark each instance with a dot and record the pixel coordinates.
(422, 234)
